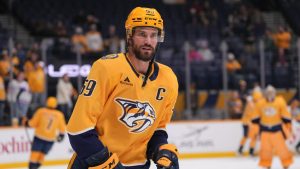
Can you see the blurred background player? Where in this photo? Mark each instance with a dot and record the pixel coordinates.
(298, 130)
(47, 122)
(2, 99)
(295, 110)
(273, 117)
(249, 130)
(120, 118)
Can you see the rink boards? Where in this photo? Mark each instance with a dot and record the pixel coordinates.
(193, 139)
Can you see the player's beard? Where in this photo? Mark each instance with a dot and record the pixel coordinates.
(144, 56)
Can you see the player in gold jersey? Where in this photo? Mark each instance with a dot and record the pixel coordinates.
(298, 144)
(249, 130)
(295, 105)
(120, 118)
(48, 122)
(2, 99)
(273, 118)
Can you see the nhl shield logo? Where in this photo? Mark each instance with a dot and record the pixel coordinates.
(136, 115)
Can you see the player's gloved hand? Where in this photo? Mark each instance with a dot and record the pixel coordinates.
(104, 160)
(166, 157)
(60, 137)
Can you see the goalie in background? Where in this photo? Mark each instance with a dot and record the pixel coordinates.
(274, 120)
(47, 122)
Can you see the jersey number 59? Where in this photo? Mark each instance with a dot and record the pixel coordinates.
(88, 87)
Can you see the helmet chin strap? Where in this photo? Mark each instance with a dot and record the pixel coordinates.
(150, 65)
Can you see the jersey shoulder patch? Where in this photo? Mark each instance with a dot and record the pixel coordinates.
(110, 56)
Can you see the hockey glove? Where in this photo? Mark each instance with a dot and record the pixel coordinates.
(104, 160)
(60, 137)
(166, 157)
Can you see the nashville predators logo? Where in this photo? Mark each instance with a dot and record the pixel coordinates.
(269, 111)
(136, 115)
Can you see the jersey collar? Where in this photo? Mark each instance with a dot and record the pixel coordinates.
(154, 69)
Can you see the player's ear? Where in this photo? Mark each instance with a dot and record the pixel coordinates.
(129, 41)
(129, 37)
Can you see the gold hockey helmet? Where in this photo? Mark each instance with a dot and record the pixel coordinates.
(51, 102)
(141, 16)
(257, 95)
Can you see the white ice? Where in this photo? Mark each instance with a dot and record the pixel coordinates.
(218, 163)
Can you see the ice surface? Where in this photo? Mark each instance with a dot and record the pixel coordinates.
(218, 163)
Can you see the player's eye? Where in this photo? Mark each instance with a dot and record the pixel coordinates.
(154, 35)
(141, 34)
(145, 35)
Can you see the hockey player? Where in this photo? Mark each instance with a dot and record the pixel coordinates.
(298, 129)
(250, 131)
(47, 122)
(295, 110)
(120, 118)
(272, 116)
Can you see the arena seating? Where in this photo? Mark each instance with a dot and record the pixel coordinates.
(39, 16)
